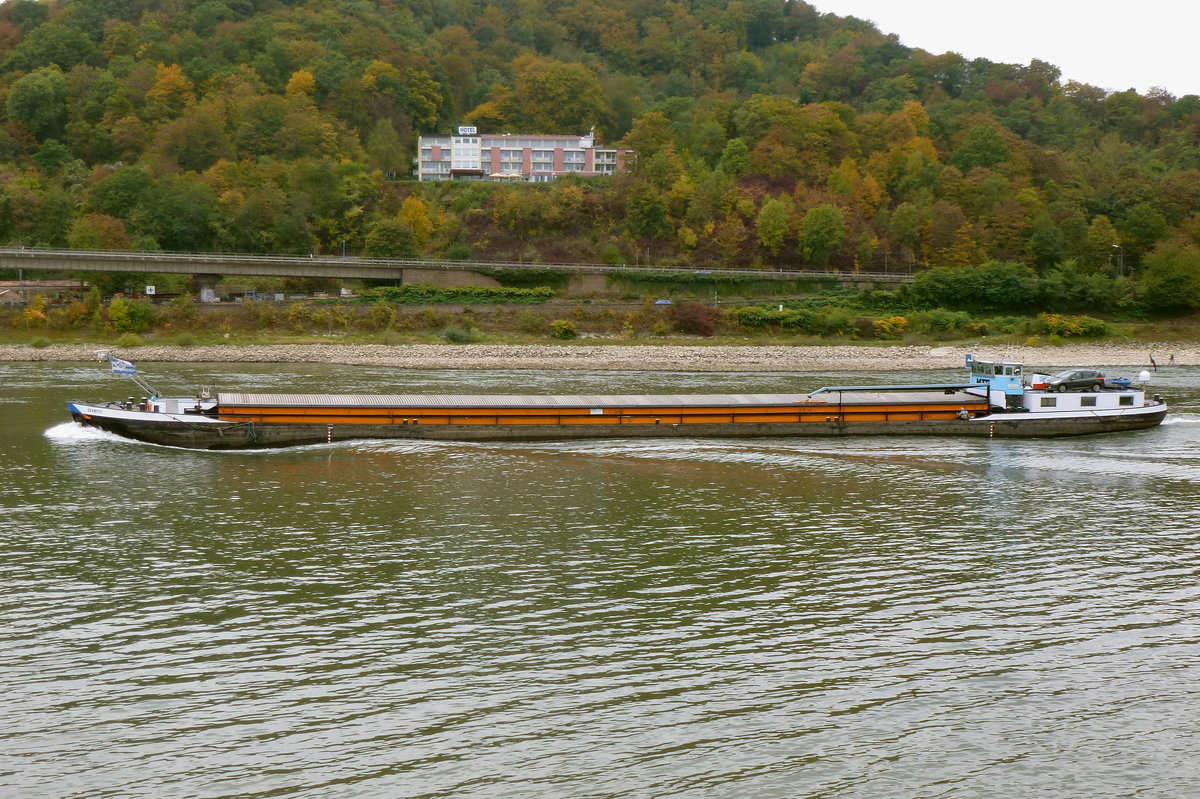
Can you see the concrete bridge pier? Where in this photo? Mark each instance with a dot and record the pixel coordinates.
(206, 287)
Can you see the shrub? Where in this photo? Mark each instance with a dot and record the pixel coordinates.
(185, 340)
(429, 319)
(1009, 324)
(1071, 326)
(265, 316)
(563, 329)
(77, 313)
(35, 312)
(299, 317)
(864, 326)
(695, 319)
(530, 322)
(183, 310)
(890, 328)
(820, 322)
(832, 321)
(381, 316)
(992, 286)
(978, 327)
(612, 255)
(939, 320)
(128, 340)
(130, 316)
(459, 335)
(40, 342)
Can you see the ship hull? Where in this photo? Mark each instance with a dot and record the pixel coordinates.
(217, 434)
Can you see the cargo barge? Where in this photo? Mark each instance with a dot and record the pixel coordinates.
(994, 401)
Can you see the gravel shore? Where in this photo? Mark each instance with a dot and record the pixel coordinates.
(698, 358)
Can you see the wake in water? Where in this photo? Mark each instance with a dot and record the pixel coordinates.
(75, 433)
(72, 432)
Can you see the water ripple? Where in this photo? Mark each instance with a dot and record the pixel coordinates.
(768, 618)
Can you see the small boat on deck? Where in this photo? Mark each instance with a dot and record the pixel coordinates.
(993, 401)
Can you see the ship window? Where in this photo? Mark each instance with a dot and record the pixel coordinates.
(1049, 402)
(1087, 402)
(1126, 400)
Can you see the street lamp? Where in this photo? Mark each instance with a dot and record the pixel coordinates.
(1120, 259)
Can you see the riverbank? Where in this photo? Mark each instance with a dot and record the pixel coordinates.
(697, 358)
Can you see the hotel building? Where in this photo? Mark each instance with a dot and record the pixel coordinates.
(468, 155)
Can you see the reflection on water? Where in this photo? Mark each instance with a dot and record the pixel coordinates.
(767, 618)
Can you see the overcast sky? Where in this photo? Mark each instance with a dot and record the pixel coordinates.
(1113, 45)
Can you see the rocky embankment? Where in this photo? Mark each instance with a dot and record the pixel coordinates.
(697, 358)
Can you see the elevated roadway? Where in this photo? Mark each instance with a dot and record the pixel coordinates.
(208, 268)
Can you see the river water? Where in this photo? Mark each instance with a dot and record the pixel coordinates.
(865, 618)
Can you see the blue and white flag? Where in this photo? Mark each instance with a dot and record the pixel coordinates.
(121, 366)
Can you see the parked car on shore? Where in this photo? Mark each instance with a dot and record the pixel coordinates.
(1076, 380)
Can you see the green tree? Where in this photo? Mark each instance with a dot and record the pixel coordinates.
(97, 232)
(735, 160)
(51, 44)
(39, 102)
(651, 134)
(773, 225)
(1046, 247)
(259, 122)
(384, 149)
(1170, 279)
(1142, 228)
(195, 141)
(982, 147)
(179, 213)
(1100, 243)
(646, 213)
(51, 155)
(390, 238)
(118, 193)
(905, 227)
(27, 14)
(822, 232)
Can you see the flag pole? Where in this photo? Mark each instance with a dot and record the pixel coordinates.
(121, 366)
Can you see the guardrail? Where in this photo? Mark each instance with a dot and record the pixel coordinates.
(34, 255)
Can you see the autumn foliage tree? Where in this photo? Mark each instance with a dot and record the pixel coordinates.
(760, 131)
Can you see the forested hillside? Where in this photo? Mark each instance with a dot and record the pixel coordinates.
(766, 133)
